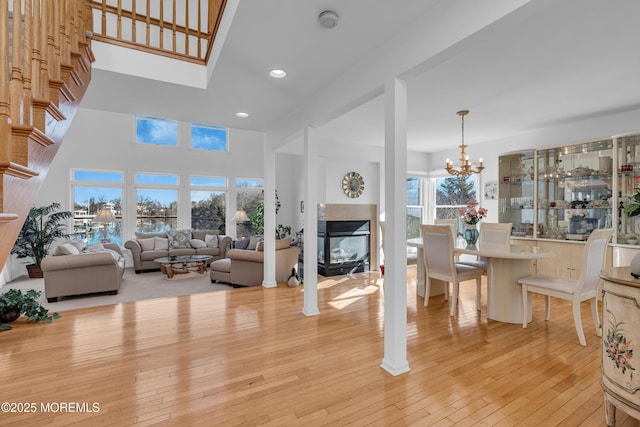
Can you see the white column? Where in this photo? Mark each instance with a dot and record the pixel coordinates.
(269, 266)
(310, 279)
(395, 240)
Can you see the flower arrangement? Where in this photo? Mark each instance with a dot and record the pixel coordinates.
(472, 214)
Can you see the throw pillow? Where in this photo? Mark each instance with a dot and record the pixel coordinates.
(151, 235)
(79, 244)
(96, 247)
(242, 243)
(66, 249)
(179, 239)
(147, 244)
(283, 243)
(161, 243)
(211, 240)
(198, 244)
(260, 246)
(253, 242)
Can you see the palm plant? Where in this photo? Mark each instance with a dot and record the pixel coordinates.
(41, 227)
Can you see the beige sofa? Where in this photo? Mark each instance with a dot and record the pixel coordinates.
(244, 267)
(149, 246)
(85, 270)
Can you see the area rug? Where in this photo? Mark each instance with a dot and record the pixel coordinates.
(135, 287)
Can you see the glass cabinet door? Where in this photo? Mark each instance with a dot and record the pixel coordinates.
(574, 190)
(628, 227)
(516, 192)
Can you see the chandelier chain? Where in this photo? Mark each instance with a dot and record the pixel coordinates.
(465, 165)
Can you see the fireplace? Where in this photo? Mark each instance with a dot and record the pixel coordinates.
(343, 247)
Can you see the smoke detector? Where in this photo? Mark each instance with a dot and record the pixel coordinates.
(328, 19)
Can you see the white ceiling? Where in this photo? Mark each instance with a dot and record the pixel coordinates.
(549, 62)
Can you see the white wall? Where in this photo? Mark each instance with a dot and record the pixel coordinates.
(100, 140)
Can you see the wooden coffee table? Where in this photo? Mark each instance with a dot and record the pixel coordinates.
(183, 264)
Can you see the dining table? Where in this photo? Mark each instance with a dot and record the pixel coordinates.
(506, 263)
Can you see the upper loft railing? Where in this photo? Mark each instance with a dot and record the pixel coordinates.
(178, 29)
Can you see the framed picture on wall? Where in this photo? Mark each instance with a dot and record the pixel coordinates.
(491, 190)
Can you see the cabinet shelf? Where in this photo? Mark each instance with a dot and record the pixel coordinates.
(570, 175)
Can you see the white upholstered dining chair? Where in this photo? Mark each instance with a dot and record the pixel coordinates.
(576, 291)
(439, 264)
(453, 223)
(490, 232)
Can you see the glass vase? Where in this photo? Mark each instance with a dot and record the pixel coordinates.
(471, 233)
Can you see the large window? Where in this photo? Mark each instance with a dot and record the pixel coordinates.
(207, 137)
(151, 130)
(414, 207)
(208, 203)
(452, 193)
(249, 196)
(94, 191)
(157, 202)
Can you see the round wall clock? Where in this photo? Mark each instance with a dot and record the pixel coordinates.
(353, 184)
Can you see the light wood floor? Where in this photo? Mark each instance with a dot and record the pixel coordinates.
(249, 357)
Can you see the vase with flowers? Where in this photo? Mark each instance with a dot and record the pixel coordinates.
(471, 216)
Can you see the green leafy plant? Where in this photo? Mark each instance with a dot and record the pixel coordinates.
(633, 206)
(14, 303)
(41, 227)
(257, 220)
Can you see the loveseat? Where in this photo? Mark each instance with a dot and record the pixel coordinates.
(76, 269)
(245, 267)
(148, 246)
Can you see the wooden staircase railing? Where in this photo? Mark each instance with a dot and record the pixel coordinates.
(45, 68)
(184, 31)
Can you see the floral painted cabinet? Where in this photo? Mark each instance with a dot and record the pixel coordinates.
(620, 343)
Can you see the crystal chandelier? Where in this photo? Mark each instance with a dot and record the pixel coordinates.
(465, 165)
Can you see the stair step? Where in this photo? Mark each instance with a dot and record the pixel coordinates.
(17, 170)
(6, 217)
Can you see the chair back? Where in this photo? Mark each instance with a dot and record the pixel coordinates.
(495, 232)
(438, 251)
(593, 260)
(453, 223)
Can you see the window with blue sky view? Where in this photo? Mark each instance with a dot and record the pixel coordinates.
(207, 137)
(151, 130)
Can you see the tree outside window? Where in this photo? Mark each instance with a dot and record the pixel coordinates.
(453, 193)
(156, 202)
(249, 197)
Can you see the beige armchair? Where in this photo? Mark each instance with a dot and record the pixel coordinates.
(244, 267)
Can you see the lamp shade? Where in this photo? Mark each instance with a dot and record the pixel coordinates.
(105, 215)
(240, 216)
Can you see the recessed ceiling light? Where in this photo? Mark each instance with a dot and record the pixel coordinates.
(242, 114)
(278, 74)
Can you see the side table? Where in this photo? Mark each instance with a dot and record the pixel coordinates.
(620, 340)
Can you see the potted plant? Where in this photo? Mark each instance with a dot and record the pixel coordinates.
(41, 227)
(14, 303)
(257, 220)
